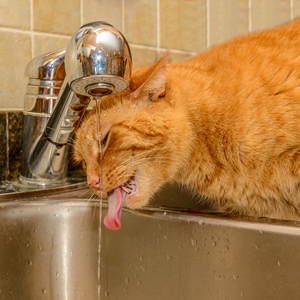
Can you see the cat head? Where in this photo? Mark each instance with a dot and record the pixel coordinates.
(140, 150)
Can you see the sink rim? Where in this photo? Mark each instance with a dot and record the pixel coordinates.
(43, 191)
(60, 193)
(76, 194)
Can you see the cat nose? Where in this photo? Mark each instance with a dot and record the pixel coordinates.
(94, 184)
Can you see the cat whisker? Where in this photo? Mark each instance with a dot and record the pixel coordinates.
(48, 127)
(145, 160)
(70, 141)
(94, 197)
(146, 152)
(93, 214)
(69, 138)
(155, 156)
(88, 201)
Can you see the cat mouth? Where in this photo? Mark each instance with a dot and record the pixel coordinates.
(116, 198)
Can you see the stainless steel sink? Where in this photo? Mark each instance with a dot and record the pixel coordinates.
(49, 250)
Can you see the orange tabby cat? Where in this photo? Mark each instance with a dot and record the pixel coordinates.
(226, 123)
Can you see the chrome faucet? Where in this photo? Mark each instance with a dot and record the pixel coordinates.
(96, 62)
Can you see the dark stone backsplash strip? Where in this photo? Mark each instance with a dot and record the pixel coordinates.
(15, 126)
(11, 125)
(4, 163)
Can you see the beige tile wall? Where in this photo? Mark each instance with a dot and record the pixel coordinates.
(185, 27)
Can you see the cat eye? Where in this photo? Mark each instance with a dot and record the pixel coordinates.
(104, 141)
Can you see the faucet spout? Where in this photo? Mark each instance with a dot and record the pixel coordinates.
(97, 62)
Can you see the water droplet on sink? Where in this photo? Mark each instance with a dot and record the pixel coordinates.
(194, 242)
(44, 291)
(56, 215)
(235, 277)
(30, 262)
(279, 264)
(168, 257)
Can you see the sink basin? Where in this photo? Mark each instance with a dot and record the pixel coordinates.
(49, 250)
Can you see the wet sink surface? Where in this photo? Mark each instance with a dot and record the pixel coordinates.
(49, 250)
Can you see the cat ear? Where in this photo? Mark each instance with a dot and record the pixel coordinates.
(150, 82)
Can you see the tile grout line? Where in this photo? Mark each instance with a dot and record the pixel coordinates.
(157, 28)
(7, 143)
(81, 13)
(207, 23)
(250, 15)
(68, 36)
(34, 32)
(123, 17)
(31, 29)
(161, 49)
(291, 10)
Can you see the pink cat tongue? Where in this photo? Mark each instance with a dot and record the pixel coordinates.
(115, 203)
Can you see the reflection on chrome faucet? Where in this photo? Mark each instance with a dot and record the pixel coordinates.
(96, 62)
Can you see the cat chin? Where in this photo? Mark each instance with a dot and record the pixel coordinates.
(144, 191)
(134, 202)
(134, 199)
